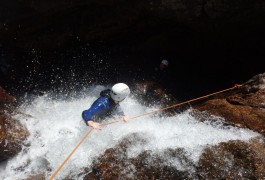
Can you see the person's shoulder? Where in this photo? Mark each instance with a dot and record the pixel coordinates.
(102, 98)
(105, 93)
(102, 101)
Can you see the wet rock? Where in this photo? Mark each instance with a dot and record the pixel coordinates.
(36, 177)
(4, 97)
(6, 101)
(255, 83)
(150, 93)
(116, 163)
(244, 107)
(12, 135)
(233, 160)
(12, 132)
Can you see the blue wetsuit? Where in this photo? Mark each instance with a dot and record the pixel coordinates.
(104, 106)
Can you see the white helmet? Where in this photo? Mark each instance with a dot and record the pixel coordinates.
(119, 92)
(165, 62)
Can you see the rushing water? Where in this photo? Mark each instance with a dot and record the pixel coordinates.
(56, 127)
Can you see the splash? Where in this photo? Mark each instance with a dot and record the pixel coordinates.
(56, 127)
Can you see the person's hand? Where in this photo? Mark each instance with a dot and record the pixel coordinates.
(125, 118)
(94, 125)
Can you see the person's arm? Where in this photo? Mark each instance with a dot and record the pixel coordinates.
(93, 124)
(87, 115)
(120, 112)
(125, 118)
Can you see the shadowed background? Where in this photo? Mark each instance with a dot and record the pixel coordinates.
(211, 44)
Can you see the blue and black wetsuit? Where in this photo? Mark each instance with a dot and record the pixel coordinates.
(103, 107)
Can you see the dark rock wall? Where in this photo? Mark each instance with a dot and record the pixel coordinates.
(12, 132)
(210, 43)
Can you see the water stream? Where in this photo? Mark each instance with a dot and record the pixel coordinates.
(56, 127)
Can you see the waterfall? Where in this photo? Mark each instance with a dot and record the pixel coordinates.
(56, 127)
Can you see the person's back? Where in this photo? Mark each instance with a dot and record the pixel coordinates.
(103, 107)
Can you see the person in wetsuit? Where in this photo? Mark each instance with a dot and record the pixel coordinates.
(106, 105)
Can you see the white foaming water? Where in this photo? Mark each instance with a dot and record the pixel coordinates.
(57, 127)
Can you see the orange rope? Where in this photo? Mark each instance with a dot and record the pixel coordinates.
(175, 105)
(115, 121)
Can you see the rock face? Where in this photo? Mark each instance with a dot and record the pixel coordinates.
(150, 92)
(116, 164)
(232, 160)
(109, 20)
(41, 35)
(244, 107)
(5, 100)
(12, 132)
